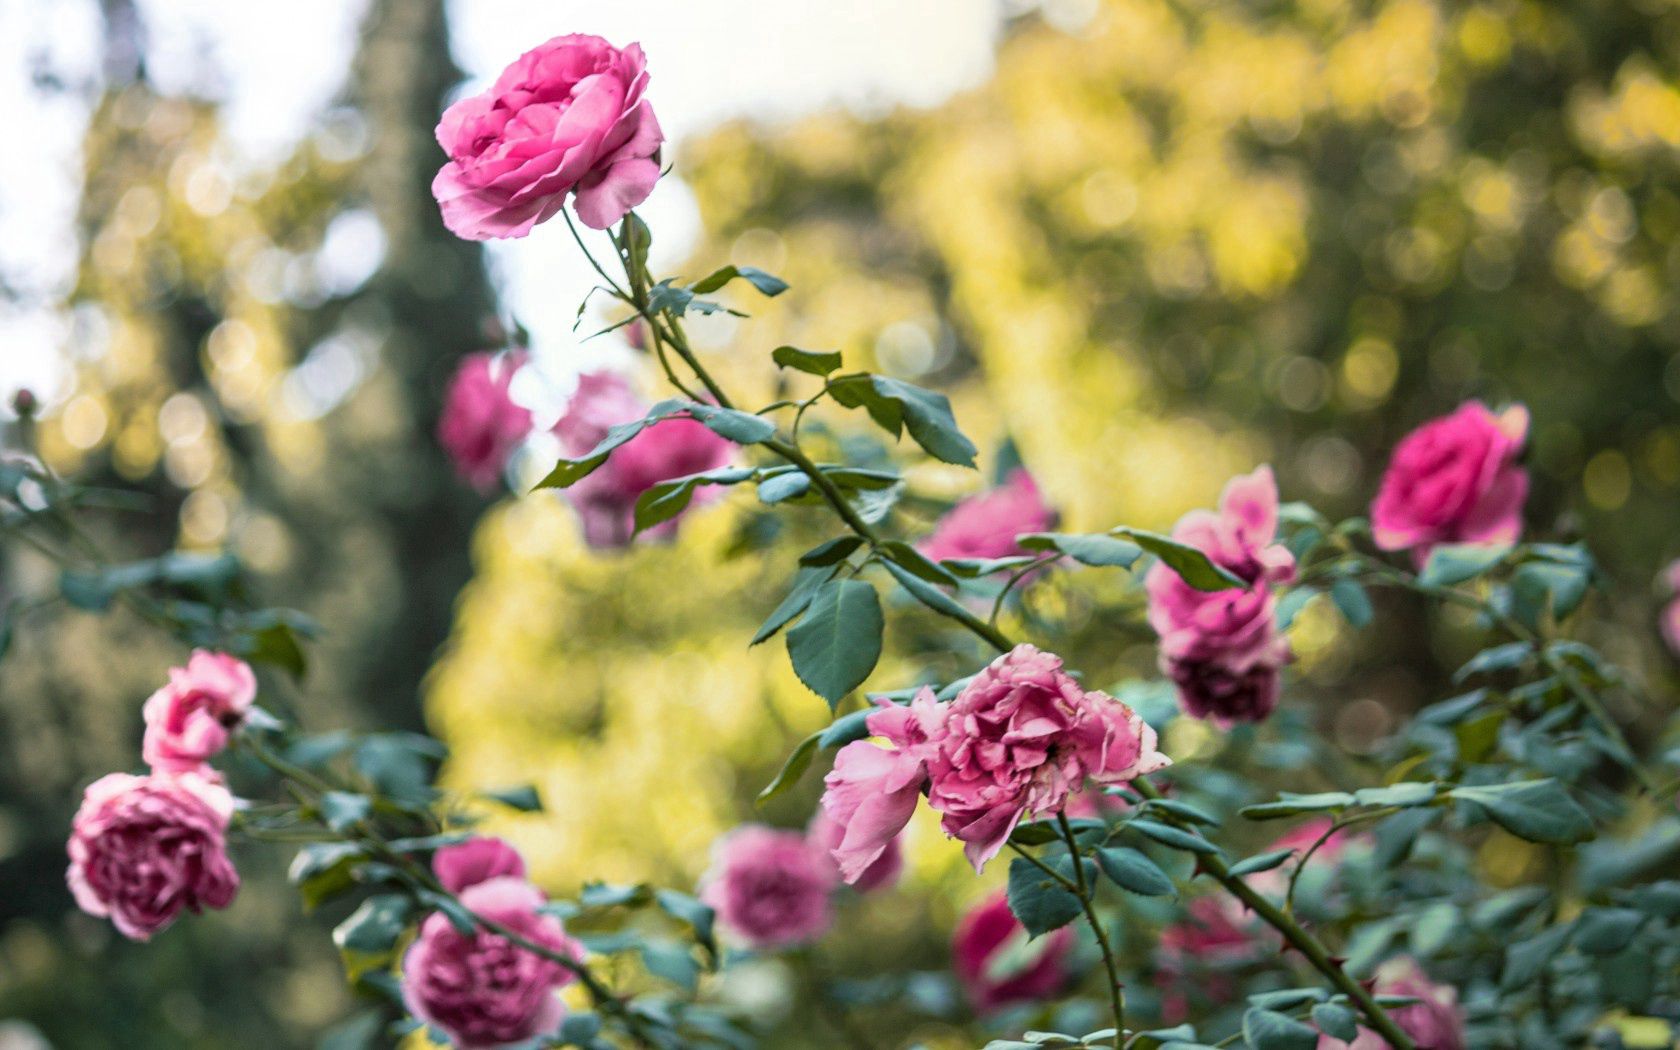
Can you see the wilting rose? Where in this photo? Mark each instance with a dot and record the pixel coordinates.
(481, 989)
(189, 720)
(872, 791)
(997, 963)
(606, 499)
(829, 835)
(1222, 649)
(144, 849)
(985, 526)
(481, 426)
(1196, 953)
(567, 118)
(1454, 480)
(474, 861)
(1021, 738)
(1435, 1021)
(770, 888)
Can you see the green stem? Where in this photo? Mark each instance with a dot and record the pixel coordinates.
(1116, 992)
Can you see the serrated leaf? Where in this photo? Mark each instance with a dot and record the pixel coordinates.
(1039, 901)
(838, 640)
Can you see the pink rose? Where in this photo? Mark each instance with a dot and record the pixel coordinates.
(142, 849)
(481, 426)
(481, 989)
(605, 500)
(1671, 612)
(1300, 840)
(1214, 936)
(189, 720)
(1021, 738)
(1435, 1022)
(1454, 480)
(1222, 649)
(474, 861)
(998, 964)
(566, 118)
(872, 791)
(985, 526)
(829, 835)
(770, 888)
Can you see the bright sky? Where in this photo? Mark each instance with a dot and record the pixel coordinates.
(277, 64)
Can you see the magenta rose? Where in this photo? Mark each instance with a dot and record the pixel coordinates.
(1222, 649)
(872, 791)
(144, 849)
(985, 526)
(568, 118)
(189, 720)
(605, 500)
(474, 861)
(1454, 480)
(1435, 1021)
(481, 426)
(829, 835)
(997, 963)
(770, 888)
(481, 989)
(1021, 738)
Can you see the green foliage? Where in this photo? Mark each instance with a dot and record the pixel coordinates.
(838, 638)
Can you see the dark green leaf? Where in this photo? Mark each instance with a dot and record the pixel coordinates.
(323, 870)
(1404, 794)
(765, 283)
(928, 594)
(1452, 563)
(1294, 805)
(1192, 566)
(1177, 838)
(1536, 810)
(1095, 550)
(1525, 959)
(893, 404)
(341, 810)
(845, 729)
(523, 798)
(1270, 1030)
(1353, 602)
(1499, 658)
(794, 768)
(813, 362)
(838, 640)
(915, 562)
(1261, 862)
(1039, 901)
(688, 909)
(805, 586)
(368, 938)
(1132, 870)
(1605, 931)
(782, 487)
(1336, 1021)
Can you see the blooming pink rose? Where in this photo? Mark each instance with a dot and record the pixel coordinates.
(770, 888)
(188, 720)
(1222, 649)
(985, 526)
(474, 861)
(672, 448)
(1454, 480)
(142, 849)
(1194, 954)
(566, 118)
(829, 835)
(997, 963)
(1020, 738)
(1435, 1021)
(872, 791)
(481, 989)
(481, 426)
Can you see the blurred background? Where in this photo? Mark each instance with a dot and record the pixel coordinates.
(1152, 244)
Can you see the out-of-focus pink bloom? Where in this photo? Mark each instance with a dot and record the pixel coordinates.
(1671, 611)
(567, 118)
(481, 989)
(998, 964)
(1020, 738)
(1222, 649)
(1454, 479)
(985, 526)
(189, 720)
(872, 791)
(1300, 839)
(606, 499)
(770, 888)
(1435, 1021)
(1197, 952)
(829, 835)
(144, 849)
(474, 861)
(481, 426)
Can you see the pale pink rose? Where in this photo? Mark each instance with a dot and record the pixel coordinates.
(1435, 1022)
(985, 526)
(605, 500)
(481, 426)
(144, 849)
(829, 835)
(474, 861)
(770, 888)
(1022, 737)
(1197, 952)
(481, 989)
(1671, 612)
(567, 118)
(872, 791)
(1454, 480)
(189, 720)
(997, 963)
(1222, 649)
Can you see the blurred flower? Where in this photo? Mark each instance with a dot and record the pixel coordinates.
(474, 861)
(1214, 936)
(479, 988)
(144, 848)
(881, 873)
(566, 118)
(1454, 479)
(770, 887)
(1671, 612)
(481, 426)
(1222, 649)
(985, 526)
(1434, 1021)
(188, 720)
(998, 963)
(872, 791)
(1300, 839)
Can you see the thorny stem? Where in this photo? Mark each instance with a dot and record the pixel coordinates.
(1116, 991)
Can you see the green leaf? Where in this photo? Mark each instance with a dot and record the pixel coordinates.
(606, 895)
(1270, 1030)
(1184, 809)
(894, 404)
(1193, 567)
(1177, 838)
(367, 940)
(1291, 603)
(780, 488)
(846, 729)
(323, 870)
(1336, 1021)
(1526, 958)
(743, 428)
(838, 640)
(1498, 658)
(701, 917)
(792, 769)
(1261, 862)
(812, 362)
(1536, 810)
(766, 283)
(1405, 794)
(667, 499)
(927, 593)
(1434, 927)
(1132, 870)
(1452, 563)
(1099, 551)
(805, 586)
(974, 568)
(1606, 931)
(341, 810)
(916, 563)
(1353, 602)
(523, 798)
(1039, 901)
(1289, 805)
